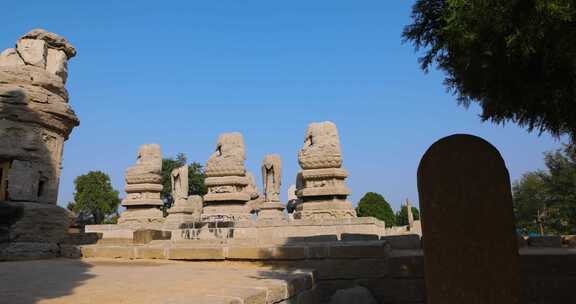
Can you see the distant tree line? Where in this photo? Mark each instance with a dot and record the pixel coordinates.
(375, 205)
(545, 200)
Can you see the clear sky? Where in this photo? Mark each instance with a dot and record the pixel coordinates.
(179, 73)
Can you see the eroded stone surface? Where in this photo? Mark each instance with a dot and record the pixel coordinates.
(9, 57)
(32, 51)
(464, 174)
(35, 119)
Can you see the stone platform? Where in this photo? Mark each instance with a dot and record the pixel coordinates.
(278, 231)
(122, 281)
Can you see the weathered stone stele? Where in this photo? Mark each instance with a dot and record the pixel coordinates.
(470, 247)
(271, 208)
(186, 210)
(35, 120)
(143, 187)
(226, 181)
(321, 184)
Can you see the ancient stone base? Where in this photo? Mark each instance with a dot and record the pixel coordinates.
(31, 230)
(325, 209)
(225, 212)
(271, 211)
(283, 230)
(141, 217)
(180, 220)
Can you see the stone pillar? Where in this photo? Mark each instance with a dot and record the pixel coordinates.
(143, 187)
(409, 214)
(322, 188)
(226, 181)
(271, 208)
(470, 246)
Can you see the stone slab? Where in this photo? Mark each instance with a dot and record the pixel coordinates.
(465, 175)
(545, 241)
(130, 282)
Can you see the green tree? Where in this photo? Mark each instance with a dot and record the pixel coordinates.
(550, 193)
(195, 178)
(515, 58)
(402, 215)
(374, 204)
(95, 196)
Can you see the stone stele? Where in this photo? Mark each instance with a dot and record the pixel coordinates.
(226, 181)
(470, 246)
(322, 189)
(185, 210)
(271, 208)
(143, 187)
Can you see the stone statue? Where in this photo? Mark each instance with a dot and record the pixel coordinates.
(321, 185)
(272, 175)
(271, 208)
(143, 187)
(179, 181)
(226, 181)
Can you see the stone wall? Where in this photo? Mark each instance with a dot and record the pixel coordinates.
(391, 268)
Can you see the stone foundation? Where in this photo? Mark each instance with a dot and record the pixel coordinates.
(31, 230)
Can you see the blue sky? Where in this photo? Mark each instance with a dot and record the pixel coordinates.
(179, 73)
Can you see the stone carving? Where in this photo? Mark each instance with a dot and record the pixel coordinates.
(321, 184)
(35, 117)
(271, 175)
(184, 213)
(143, 187)
(229, 157)
(321, 147)
(226, 181)
(186, 210)
(271, 208)
(179, 181)
(464, 174)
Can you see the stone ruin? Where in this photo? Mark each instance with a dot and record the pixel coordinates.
(35, 121)
(271, 208)
(143, 187)
(35, 117)
(226, 181)
(186, 209)
(321, 184)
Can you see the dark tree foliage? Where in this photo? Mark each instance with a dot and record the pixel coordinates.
(95, 196)
(550, 193)
(515, 58)
(195, 178)
(402, 216)
(374, 204)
